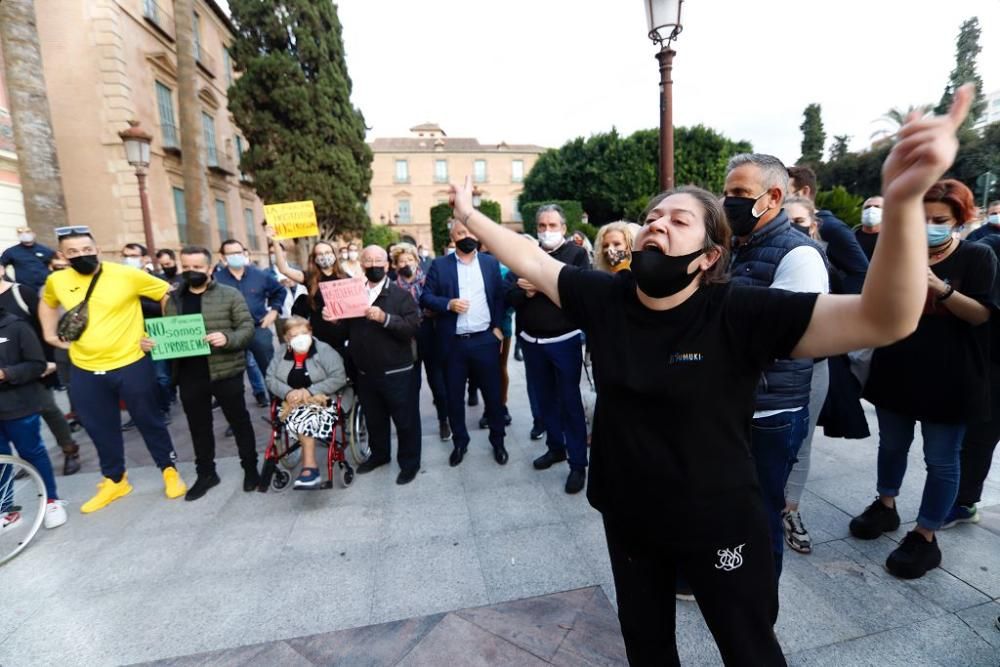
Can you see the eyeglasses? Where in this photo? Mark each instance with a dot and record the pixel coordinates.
(69, 231)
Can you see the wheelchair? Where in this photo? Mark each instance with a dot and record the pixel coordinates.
(349, 440)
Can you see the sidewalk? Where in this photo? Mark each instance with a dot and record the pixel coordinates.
(150, 579)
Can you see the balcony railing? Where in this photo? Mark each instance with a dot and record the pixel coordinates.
(217, 160)
(171, 137)
(206, 62)
(159, 17)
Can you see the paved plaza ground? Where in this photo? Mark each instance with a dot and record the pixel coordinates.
(479, 565)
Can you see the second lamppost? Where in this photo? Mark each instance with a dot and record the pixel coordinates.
(663, 18)
(137, 143)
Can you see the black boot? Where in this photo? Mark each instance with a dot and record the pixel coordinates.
(201, 486)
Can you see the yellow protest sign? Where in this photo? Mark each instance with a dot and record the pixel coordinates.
(292, 220)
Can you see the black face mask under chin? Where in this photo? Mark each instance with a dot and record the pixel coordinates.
(659, 275)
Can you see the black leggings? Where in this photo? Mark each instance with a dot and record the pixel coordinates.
(730, 570)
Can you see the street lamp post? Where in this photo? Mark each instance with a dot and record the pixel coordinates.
(137, 143)
(663, 18)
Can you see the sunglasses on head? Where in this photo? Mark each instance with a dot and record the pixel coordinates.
(69, 231)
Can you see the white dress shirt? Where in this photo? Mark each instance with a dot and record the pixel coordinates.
(472, 288)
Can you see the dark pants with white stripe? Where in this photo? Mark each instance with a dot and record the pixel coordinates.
(96, 396)
(392, 395)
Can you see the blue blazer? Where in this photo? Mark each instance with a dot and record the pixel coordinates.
(441, 286)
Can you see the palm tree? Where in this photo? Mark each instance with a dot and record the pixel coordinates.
(896, 118)
(38, 166)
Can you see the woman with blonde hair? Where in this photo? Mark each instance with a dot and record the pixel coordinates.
(613, 246)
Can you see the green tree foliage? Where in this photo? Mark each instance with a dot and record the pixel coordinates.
(380, 235)
(573, 211)
(491, 209)
(859, 173)
(838, 149)
(607, 173)
(442, 213)
(842, 204)
(292, 101)
(813, 136)
(967, 49)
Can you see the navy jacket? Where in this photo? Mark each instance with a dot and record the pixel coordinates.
(31, 263)
(845, 254)
(786, 384)
(441, 287)
(986, 230)
(259, 288)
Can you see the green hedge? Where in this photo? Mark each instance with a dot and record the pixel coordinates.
(441, 214)
(380, 235)
(572, 209)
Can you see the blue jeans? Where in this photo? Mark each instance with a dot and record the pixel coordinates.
(165, 383)
(775, 443)
(26, 436)
(553, 369)
(261, 349)
(942, 447)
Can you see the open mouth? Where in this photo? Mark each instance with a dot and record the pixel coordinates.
(653, 245)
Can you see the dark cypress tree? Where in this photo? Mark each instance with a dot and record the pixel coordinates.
(966, 51)
(813, 136)
(293, 102)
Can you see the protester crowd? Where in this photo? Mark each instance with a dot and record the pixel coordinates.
(722, 333)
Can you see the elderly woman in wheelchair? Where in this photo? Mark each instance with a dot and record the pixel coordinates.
(306, 379)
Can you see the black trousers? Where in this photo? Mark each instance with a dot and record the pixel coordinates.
(196, 398)
(728, 564)
(393, 396)
(977, 449)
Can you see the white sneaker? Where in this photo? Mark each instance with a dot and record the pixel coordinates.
(55, 513)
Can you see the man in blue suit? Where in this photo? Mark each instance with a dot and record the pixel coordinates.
(466, 290)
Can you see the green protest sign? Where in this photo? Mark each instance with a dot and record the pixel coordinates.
(180, 336)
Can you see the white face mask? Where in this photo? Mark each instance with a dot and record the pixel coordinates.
(26, 237)
(352, 255)
(449, 251)
(993, 219)
(871, 216)
(425, 253)
(134, 262)
(301, 343)
(550, 240)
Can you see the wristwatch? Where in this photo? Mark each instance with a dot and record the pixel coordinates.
(947, 294)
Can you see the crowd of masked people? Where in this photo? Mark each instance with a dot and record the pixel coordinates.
(455, 319)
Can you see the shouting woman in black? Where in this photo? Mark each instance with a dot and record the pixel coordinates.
(678, 352)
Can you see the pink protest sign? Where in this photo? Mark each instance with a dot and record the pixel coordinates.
(344, 298)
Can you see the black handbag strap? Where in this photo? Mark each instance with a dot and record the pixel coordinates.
(93, 284)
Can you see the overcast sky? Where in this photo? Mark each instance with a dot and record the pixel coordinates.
(546, 71)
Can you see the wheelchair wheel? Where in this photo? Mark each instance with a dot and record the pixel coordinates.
(360, 451)
(22, 505)
(346, 475)
(282, 480)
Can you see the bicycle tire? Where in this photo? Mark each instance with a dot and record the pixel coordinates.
(7, 491)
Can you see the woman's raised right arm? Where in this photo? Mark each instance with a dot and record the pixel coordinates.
(281, 261)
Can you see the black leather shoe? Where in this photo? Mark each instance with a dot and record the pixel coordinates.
(545, 461)
(229, 431)
(537, 432)
(201, 486)
(484, 422)
(577, 478)
(473, 400)
(71, 465)
(406, 476)
(369, 465)
(444, 430)
(251, 479)
(262, 401)
(456, 456)
(518, 356)
(500, 454)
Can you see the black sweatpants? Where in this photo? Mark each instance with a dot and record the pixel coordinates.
(392, 396)
(977, 448)
(196, 398)
(729, 565)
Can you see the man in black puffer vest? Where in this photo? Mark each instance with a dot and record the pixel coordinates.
(769, 253)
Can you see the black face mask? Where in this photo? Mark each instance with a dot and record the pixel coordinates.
(406, 272)
(659, 275)
(195, 278)
(375, 274)
(740, 213)
(169, 271)
(85, 264)
(467, 245)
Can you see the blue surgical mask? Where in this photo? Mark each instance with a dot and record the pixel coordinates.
(938, 234)
(993, 219)
(134, 262)
(237, 261)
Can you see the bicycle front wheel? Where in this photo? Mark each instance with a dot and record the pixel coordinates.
(22, 505)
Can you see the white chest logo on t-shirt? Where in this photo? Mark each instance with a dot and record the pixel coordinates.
(730, 559)
(684, 358)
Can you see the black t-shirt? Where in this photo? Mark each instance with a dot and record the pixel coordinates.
(867, 242)
(192, 369)
(940, 372)
(675, 389)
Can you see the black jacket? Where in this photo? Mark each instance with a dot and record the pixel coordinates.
(22, 363)
(538, 316)
(377, 348)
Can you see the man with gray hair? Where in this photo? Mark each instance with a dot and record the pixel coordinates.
(767, 252)
(553, 353)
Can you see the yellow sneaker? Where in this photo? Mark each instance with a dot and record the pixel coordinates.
(173, 485)
(107, 493)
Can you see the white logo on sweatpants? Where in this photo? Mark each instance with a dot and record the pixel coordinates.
(730, 559)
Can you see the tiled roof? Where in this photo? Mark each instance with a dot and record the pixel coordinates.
(447, 145)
